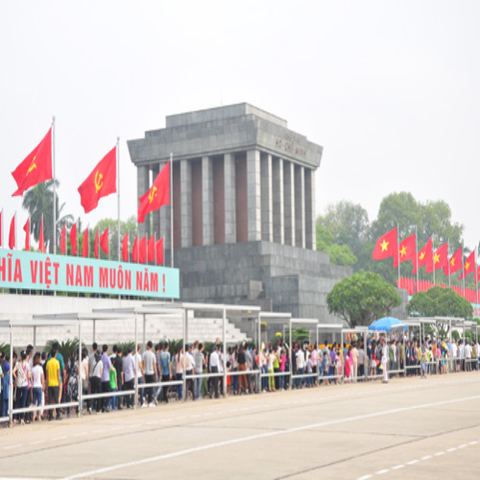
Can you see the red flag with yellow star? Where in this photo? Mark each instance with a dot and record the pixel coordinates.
(36, 168)
(454, 264)
(440, 259)
(157, 196)
(407, 250)
(100, 183)
(386, 247)
(425, 256)
(469, 266)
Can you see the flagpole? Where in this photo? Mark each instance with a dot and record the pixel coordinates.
(2, 225)
(476, 280)
(463, 274)
(54, 191)
(448, 265)
(416, 255)
(15, 231)
(118, 196)
(155, 247)
(171, 210)
(398, 253)
(138, 245)
(433, 258)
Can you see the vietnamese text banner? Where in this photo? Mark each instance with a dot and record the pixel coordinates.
(39, 271)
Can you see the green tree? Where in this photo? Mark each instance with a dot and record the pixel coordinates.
(439, 302)
(348, 223)
(362, 298)
(339, 254)
(38, 202)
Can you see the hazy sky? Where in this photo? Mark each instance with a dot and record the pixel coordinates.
(389, 88)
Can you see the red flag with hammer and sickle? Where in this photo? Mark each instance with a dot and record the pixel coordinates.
(36, 168)
(157, 196)
(100, 183)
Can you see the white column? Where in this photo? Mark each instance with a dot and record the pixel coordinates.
(277, 197)
(267, 205)
(299, 206)
(186, 202)
(230, 205)
(254, 196)
(289, 201)
(207, 200)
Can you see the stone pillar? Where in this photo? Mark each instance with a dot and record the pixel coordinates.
(254, 196)
(156, 215)
(277, 200)
(186, 202)
(310, 210)
(299, 206)
(230, 221)
(267, 205)
(289, 201)
(207, 200)
(143, 185)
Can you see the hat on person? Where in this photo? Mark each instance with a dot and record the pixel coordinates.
(7, 368)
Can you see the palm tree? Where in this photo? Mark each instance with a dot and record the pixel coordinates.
(39, 201)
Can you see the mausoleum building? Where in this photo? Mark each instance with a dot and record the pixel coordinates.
(243, 209)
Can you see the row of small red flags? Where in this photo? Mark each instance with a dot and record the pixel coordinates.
(143, 251)
(412, 287)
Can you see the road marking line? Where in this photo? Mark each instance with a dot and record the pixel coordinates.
(80, 434)
(413, 462)
(117, 428)
(451, 449)
(398, 467)
(260, 436)
(381, 472)
(151, 423)
(99, 431)
(58, 438)
(37, 442)
(167, 420)
(11, 446)
(463, 445)
(365, 477)
(439, 453)
(474, 442)
(195, 416)
(180, 418)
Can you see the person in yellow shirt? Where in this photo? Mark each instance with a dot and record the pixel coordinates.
(53, 382)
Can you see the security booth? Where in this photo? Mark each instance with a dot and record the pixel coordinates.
(7, 330)
(273, 323)
(306, 325)
(333, 333)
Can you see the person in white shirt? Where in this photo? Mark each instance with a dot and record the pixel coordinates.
(468, 357)
(384, 360)
(215, 368)
(300, 365)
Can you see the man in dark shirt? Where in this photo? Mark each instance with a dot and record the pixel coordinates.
(117, 361)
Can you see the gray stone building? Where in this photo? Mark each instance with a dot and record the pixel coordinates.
(243, 209)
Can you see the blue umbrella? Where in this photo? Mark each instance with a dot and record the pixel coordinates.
(386, 324)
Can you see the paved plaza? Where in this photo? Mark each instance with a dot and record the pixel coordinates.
(410, 427)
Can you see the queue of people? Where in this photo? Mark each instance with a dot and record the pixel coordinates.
(42, 379)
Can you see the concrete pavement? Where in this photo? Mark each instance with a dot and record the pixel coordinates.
(419, 428)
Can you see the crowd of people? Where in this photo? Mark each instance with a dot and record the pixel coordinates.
(41, 379)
